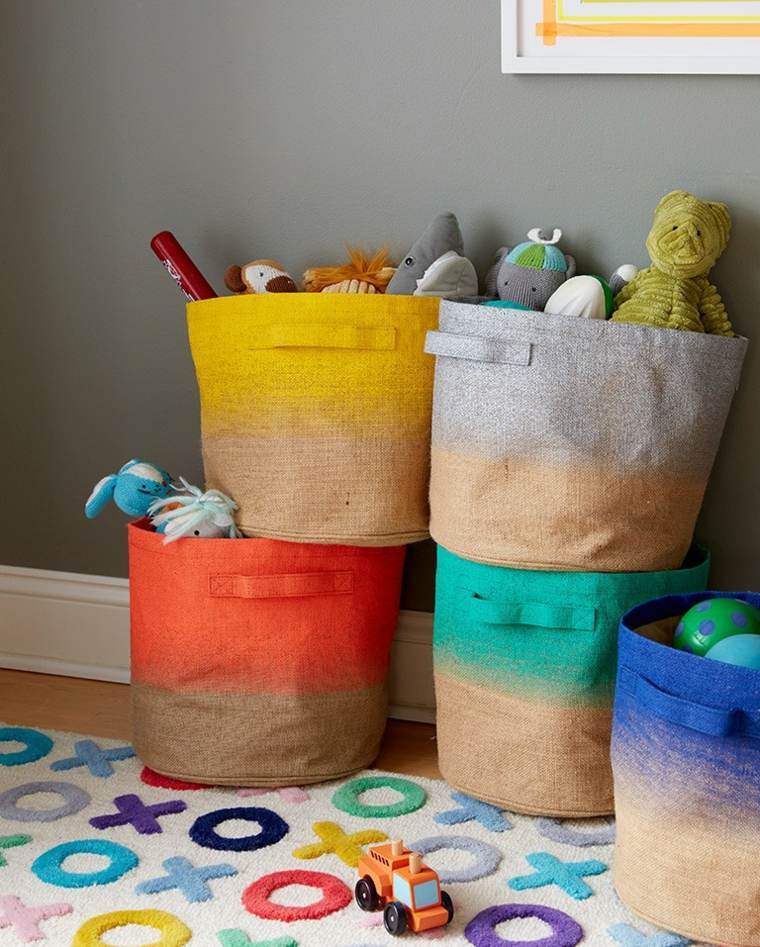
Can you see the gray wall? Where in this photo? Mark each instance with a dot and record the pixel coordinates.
(284, 128)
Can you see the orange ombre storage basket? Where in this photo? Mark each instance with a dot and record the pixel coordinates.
(256, 661)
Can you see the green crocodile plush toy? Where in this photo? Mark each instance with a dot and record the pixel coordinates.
(687, 237)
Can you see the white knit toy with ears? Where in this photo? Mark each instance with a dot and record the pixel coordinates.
(195, 514)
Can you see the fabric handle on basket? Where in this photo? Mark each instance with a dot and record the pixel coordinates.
(475, 349)
(293, 585)
(686, 713)
(570, 617)
(318, 336)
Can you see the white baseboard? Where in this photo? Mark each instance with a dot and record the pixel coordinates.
(78, 626)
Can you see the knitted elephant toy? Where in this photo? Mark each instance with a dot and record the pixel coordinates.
(687, 237)
(526, 276)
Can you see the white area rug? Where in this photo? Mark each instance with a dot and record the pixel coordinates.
(180, 859)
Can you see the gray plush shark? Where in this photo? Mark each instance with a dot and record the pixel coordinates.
(441, 236)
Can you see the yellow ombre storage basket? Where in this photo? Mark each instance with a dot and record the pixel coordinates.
(315, 413)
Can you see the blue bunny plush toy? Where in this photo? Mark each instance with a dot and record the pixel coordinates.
(132, 489)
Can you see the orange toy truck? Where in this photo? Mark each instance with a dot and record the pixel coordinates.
(394, 878)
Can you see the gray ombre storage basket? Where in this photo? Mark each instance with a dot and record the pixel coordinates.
(573, 444)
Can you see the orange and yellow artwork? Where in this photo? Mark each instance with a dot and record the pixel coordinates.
(688, 36)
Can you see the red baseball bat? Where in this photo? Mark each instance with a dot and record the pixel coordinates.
(180, 267)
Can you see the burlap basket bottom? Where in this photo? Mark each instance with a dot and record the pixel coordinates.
(556, 516)
(257, 740)
(510, 751)
(321, 492)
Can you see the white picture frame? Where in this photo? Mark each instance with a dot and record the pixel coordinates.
(631, 55)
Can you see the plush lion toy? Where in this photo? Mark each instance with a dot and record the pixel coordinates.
(364, 273)
(687, 237)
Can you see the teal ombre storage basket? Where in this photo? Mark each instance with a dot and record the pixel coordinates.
(525, 666)
(686, 758)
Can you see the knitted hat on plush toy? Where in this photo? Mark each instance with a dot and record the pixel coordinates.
(526, 276)
(540, 252)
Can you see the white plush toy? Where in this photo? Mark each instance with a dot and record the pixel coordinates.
(192, 513)
(449, 275)
(582, 296)
(589, 297)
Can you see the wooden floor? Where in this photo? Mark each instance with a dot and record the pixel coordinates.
(101, 709)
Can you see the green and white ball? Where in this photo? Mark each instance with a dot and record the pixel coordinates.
(715, 619)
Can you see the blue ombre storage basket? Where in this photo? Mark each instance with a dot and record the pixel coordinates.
(686, 764)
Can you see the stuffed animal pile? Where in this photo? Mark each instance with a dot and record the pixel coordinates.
(687, 237)
(434, 266)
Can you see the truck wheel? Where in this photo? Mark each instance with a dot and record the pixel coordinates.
(447, 903)
(394, 918)
(365, 894)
